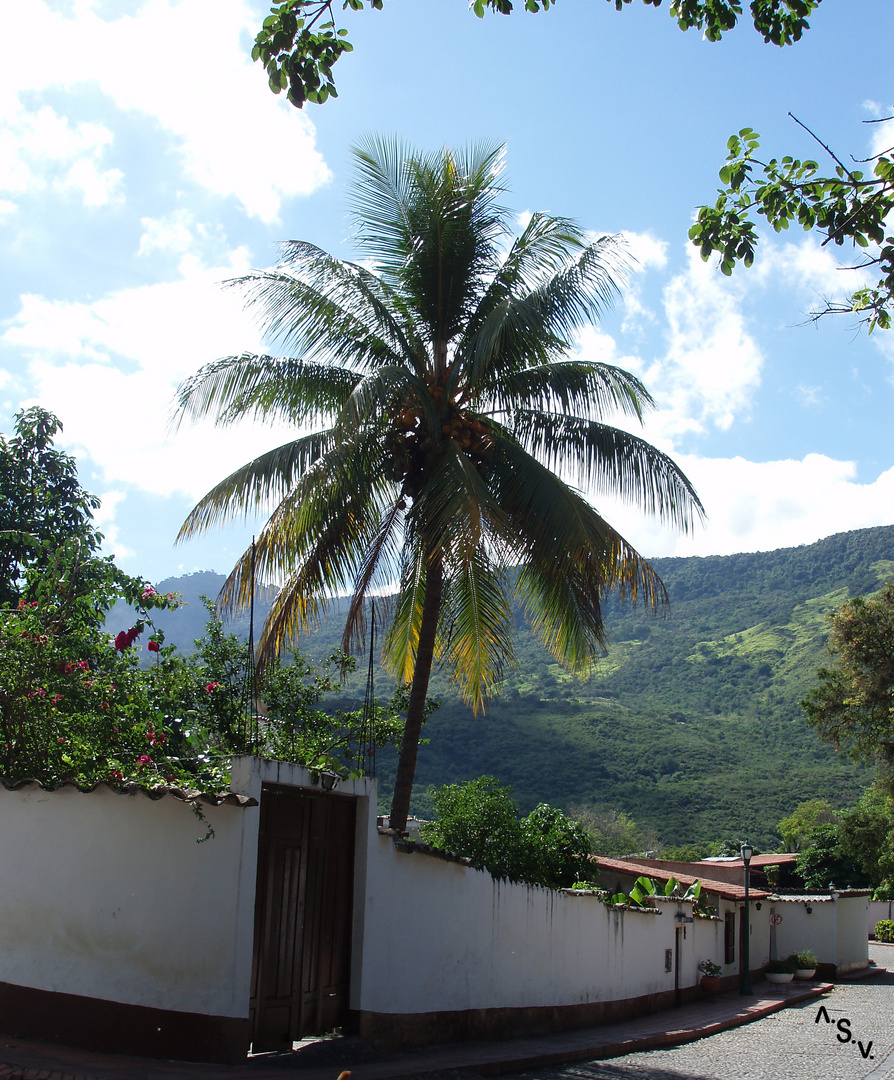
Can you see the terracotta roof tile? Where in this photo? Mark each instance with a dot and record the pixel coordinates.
(716, 888)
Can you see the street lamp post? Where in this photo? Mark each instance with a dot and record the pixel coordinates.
(745, 986)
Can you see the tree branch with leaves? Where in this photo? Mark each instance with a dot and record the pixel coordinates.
(299, 41)
(847, 206)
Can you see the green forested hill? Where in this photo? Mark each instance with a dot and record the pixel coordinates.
(692, 722)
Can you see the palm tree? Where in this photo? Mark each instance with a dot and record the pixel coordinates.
(436, 394)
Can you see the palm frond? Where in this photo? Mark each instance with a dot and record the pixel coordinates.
(380, 564)
(381, 309)
(296, 391)
(478, 628)
(402, 639)
(570, 556)
(575, 386)
(542, 310)
(338, 326)
(612, 462)
(256, 485)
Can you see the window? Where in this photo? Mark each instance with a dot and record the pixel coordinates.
(729, 938)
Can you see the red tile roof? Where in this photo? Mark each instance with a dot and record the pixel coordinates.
(716, 888)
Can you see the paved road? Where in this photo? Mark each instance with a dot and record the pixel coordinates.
(795, 1044)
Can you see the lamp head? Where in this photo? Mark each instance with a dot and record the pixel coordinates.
(747, 852)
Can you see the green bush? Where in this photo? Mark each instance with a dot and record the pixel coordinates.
(805, 960)
(479, 820)
(884, 930)
(781, 967)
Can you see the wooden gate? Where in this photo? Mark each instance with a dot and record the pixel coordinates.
(303, 910)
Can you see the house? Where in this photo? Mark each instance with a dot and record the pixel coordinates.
(831, 924)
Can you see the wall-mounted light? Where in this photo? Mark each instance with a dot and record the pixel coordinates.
(808, 909)
(758, 906)
(329, 780)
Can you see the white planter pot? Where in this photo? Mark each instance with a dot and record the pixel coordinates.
(805, 973)
(782, 977)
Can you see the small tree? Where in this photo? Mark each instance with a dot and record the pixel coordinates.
(42, 504)
(853, 706)
(479, 820)
(824, 862)
(795, 828)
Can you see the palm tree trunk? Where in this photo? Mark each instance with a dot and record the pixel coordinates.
(406, 764)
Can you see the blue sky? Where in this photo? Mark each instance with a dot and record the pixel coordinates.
(143, 161)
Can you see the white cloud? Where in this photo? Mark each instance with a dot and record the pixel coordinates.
(209, 98)
(809, 270)
(39, 145)
(96, 187)
(760, 506)
(648, 253)
(713, 364)
(173, 233)
(110, 368)
(104, 520)
(809, 396)
(882, 133)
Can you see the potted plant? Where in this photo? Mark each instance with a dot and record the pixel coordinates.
(805, 964)
(710, 979)
(779, 971)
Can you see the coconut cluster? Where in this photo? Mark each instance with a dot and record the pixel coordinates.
(412, 441)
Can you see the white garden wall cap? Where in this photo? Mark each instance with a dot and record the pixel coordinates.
(210, 798)
(817, 898)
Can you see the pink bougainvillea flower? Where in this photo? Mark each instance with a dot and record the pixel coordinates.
(212, 686)
(148, 592)
(57, 697)
(153, 646)
(116, 775)
(145, 760)
(125, 638)
(83, 665)
(156, 740)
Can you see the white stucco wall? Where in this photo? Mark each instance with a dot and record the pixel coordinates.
(834, 929)
(853, 941)
(111, 896)
(878, 910)
(466, 941)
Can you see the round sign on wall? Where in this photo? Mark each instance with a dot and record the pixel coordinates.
(775, 920)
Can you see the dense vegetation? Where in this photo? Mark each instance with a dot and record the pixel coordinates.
(479, 820)
(692, 724)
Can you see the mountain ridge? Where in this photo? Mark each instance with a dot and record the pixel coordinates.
(691, 723)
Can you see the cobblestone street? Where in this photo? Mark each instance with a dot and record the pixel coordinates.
(789, 1045)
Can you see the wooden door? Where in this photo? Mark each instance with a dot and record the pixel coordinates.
(303, 912)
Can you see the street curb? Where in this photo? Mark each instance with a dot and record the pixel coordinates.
(414, 1064)
(651, 1042)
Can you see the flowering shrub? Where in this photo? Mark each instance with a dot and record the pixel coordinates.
(75, 703)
